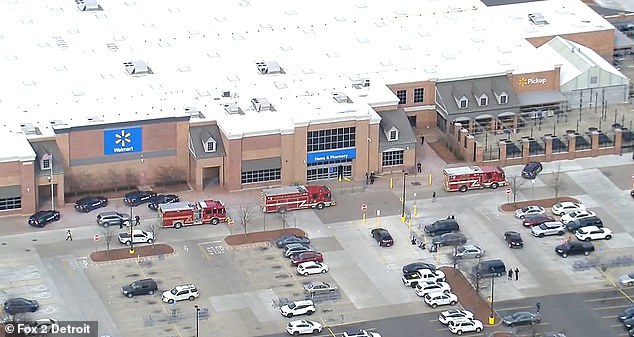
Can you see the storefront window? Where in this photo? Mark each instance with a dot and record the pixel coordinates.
(331, 139)
(261, 175)
(10, 203)
(393, 158)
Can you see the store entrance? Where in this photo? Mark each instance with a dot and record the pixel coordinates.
(325, 172)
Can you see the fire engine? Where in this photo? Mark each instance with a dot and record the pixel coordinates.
(472, 177)
(179, 214)
(282, 199)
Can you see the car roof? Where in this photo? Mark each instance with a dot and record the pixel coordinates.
(590, 228)
(302, 302)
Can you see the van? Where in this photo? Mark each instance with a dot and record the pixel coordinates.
(490, 268)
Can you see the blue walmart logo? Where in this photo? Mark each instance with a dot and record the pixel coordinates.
(123, 138)
(119, 141)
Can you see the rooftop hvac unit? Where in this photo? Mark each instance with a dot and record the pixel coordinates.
(137, 68)
(269, 67)
(232, 109)
(28, 129)
(226, 93)
(261, 104)
(340, 97)
(94, 119)
(537, 19)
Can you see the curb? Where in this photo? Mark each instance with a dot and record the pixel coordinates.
(251, 245)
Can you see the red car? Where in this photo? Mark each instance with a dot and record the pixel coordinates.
(536, 220)
(305, 257)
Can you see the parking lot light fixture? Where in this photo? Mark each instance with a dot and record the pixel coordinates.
(197, 317)
(403, 198)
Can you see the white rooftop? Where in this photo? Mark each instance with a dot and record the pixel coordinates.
(144, 59)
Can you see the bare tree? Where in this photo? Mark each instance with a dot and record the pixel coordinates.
(244, 217)
(558, 182)
(86, 183)
(154, 228)
(108, 235)
(161, 175)
(113, 179)
(516, 183)
(130, 179)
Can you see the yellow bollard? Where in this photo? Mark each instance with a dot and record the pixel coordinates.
(131, 251)
(363, 217)
(429, 178)
(491, 320)
(415, 214)
(391, 183)
(409, 225)
(437, 256)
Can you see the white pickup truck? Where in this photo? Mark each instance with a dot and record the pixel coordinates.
(422, 275)
(139, 236)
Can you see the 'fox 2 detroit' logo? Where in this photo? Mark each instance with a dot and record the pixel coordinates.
(122, 141)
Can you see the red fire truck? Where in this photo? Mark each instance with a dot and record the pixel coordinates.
(472, 177)
(282, 199)
(179, 214)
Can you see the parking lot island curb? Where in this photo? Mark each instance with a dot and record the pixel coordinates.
(261, 237)
(546, 203)
(124, 253)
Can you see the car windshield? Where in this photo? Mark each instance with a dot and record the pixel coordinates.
(174, 291)
(135, 285)
(525, 209)
(291, 306)
(630, 275)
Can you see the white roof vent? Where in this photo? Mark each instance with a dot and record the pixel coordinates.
(233, 109)
(269, 67)
(137, 68)
(194, 112)
(261, 104)
(95, 119)
(57, 122)
(537, 19)
(360, 82)
(29, 129)
(226, 93)
(88, 5)
(340, 97)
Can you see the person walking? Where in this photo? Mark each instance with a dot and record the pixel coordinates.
(433, 196)
(69, 235)
(510, 274)
(517, 274)
(419, 167)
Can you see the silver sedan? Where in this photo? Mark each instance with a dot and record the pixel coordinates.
(468, 251)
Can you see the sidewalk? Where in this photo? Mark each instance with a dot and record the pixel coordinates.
(468, 297)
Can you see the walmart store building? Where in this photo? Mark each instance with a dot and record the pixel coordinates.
(241, 109)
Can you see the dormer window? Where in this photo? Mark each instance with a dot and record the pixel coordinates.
(392, 134)
(210, 145)
(464, 103)
(46, 162)
(504, 98)
(484, 100)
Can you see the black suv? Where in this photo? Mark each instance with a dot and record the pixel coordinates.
(136, 198)
(88, 204)
(156, 200)
(513, 239)
(531, 170)
(382, 236)
(41, 218)
(442, 226)
(572, 226)
(141, 287)
(20, 305)
(574, 248)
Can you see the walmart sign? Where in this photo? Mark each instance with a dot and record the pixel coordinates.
(326, 156)
(119, 141)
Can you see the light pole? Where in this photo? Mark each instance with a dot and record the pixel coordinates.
(533, 189)
(197, 317)
(50, 180)
(403, 209)
(368, 167)
(492, 315)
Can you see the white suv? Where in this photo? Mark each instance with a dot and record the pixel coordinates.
(180, 293)
(440, 298)
(304, 307)
(423, 288)
(465, 325)
(590, 233)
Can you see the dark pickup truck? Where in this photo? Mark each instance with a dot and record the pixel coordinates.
(574, 248)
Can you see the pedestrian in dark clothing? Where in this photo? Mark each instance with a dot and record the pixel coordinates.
(419, 167)
(372, 177)
(517, 274)
(69, 236)
(367, 178)
(422, 140)
(510, 274)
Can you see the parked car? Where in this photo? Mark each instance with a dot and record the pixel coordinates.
(442, 226)
(531, 170)
(632, 193)
(112, 218)
(513, 239)
(154, 202)
(573, 226)
(536, 220)
(138, 236)
(294, 249)
(627, 280)
(19, 305)
(39, 326)
(490, 268)
(415, 266)
(574, 215)
(141, 287)
(465, 325)
(382, 237)
(305, 257)
(440, 298)
(548, 228)
(628, 323)
(180, 293)
(361, 333)
(136, 198)
(469, 251)
(90, 203)
(425, 287)
(422, 275)
(589, 233)
(627, 313)
(453, 314)
(521, 318)
(303, 327)
(447, 239)
(42, 218)
(285, 240)
(574, 248)
(566, 207)
(528, 211)
(316, 287)
(296, 308)
(312, 267)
